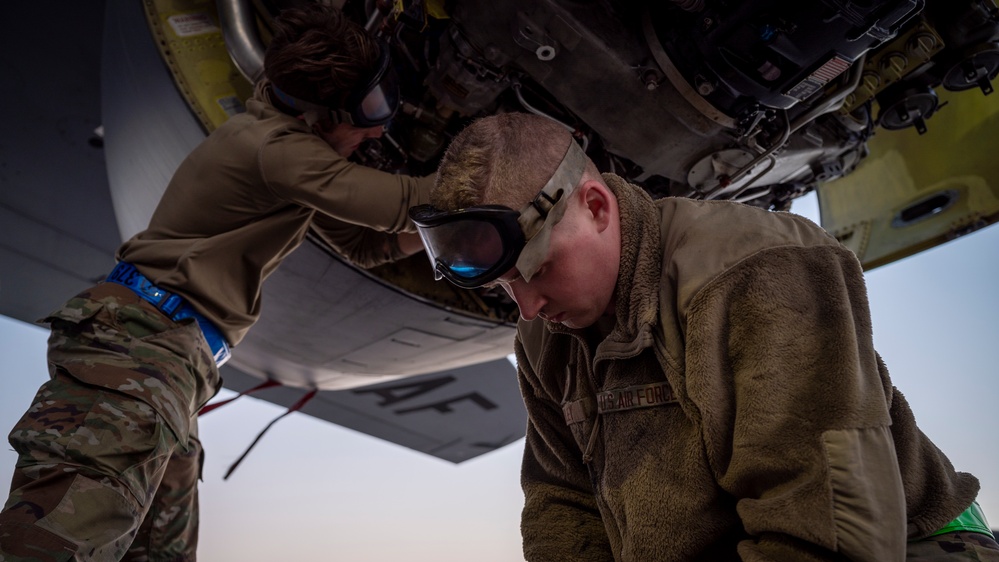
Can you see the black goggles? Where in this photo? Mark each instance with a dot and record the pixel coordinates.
(475, 246)
(371, 104)
(376, 102)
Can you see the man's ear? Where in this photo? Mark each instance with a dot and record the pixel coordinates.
(599, 201)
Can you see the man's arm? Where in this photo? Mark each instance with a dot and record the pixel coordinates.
(363, 246)
(560, 521)
(303, 169)
(781, 364)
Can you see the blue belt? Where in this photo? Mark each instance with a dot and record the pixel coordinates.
(173, 306)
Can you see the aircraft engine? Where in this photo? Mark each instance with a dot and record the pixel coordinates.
(757, 101)
(753, 101)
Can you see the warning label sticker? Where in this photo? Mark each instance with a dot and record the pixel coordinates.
(186, 25)
(231, 105)
(819, 78)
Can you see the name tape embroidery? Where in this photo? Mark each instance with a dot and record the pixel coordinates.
(630, 398)
(633, 397)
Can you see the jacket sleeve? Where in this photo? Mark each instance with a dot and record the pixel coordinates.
(301, 168)
(781, 366)
(560, 520)
(361, 245)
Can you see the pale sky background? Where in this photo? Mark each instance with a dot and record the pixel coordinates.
(311, 490)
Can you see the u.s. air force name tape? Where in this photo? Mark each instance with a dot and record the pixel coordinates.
(617, 400)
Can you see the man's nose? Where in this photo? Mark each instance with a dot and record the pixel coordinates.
(529, 301)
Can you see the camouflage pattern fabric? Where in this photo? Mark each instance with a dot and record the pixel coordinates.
(108, 450)
(954, 546)
(170, 528)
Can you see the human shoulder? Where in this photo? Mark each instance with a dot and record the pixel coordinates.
(704, 239)
(260, 125)
(682, 214)
(264, 143)
(720, 233)
(286, 147)
(264, 119)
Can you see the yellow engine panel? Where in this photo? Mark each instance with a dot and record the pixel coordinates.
(916, 191)
(190, 39)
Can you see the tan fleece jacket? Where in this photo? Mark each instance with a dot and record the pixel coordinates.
(247, 196)
(745, 412)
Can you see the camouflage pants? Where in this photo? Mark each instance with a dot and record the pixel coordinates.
(108, 452)
(954, 546)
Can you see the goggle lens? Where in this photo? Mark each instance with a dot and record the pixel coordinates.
(464, 249)
(379, 105)
(377, 102)
(473, 246)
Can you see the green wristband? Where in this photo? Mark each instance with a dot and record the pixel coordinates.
(972, 520)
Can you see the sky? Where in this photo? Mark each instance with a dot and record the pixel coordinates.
(313, 490)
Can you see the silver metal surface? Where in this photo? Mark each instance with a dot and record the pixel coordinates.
(148, 126)
(239, 28)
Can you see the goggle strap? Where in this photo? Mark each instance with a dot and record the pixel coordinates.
(568, 173)
(539, 216)
(313, 112)
(297, 103)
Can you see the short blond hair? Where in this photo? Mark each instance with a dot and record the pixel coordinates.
(503, 159)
